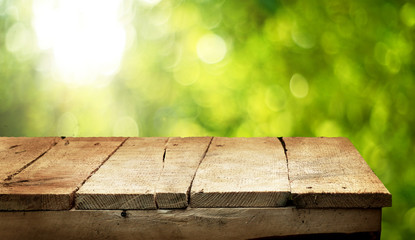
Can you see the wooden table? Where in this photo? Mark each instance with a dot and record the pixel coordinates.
(186, 188)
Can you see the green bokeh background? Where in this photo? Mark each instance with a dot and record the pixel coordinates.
(291, 68)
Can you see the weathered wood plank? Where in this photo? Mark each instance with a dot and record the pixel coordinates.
(330, 173)
(200, 223)
(128, 179)
(242, 172)
(182, 158)
(18, 152)
(50, 182)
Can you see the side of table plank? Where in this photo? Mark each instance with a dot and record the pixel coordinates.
(182, 158)
(203, 223)
(242, 172)
(50, 182)
(330, 173)
(17, 152)
(128, 179)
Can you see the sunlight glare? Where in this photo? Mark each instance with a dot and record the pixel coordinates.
(86, 38)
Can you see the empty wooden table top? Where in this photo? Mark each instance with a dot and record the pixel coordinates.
(208, 172)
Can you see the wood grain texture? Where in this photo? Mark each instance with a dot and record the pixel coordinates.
(242, 172)
(330, 173)
(182, 158)
(200, 223)
(50, 182)
(128, 179)
(18, 152)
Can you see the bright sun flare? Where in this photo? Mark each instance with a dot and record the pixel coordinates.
(86, 38)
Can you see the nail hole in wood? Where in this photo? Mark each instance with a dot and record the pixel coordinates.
(124, 214)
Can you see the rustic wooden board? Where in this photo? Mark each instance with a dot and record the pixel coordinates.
(242, 172)
(16, 153)
(146, 173)
(200, 223)
(128, 179)
(50, 182)
(330, 173)
(182, 158)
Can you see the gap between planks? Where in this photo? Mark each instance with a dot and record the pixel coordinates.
(194, 175)
(177, 198)
(93, 172)
(157, 175)
(242, 172)
(303, 198)
(50, 182)
(115, 150)
(9, 177)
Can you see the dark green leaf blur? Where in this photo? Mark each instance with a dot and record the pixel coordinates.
(220, 68)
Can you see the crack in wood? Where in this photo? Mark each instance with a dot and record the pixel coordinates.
(162, 168)
(164, 155)
(281, 139)
(20, 152)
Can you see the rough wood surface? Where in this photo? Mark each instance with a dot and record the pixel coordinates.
(200, 223)
(146, 173)
(329, 173)
(242, 172)
(18, 152)
(128, 179)
(182, 158)
(50, 182)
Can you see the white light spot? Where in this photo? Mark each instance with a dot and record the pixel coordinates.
(67, 125)
(150, 2)
(211, 48)
(87, 38)
(298, 86)
(125, 127)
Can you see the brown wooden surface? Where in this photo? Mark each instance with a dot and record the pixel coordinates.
(16, 153)
(330, 173)
(51, 181)
(242, 172)
(199, 223)
(128, 179)
(182, 158)
(149, 173)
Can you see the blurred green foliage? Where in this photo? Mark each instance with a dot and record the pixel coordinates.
(232, 68)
